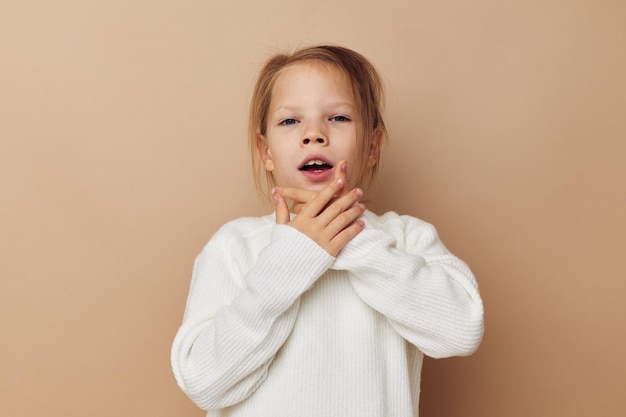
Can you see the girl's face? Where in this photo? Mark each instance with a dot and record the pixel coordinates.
(311, 126)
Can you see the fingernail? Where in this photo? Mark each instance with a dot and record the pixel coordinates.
(339, 181)
(343, 166)
(276, 198)
(274, 191)
(358, 192)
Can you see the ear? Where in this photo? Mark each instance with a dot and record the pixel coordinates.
(264, 152)
(374, 152)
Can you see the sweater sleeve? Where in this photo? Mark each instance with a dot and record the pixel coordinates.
(429, 296)
(235, 322)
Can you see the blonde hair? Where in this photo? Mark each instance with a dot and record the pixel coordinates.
(366, 87)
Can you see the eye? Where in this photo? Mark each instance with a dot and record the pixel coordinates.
(288, 122)
(340, 119)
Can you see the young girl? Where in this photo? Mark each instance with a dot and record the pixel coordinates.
(322, 308)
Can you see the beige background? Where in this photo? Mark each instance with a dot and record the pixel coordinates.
(122, 127)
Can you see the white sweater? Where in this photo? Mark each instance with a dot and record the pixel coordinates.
(275, 326)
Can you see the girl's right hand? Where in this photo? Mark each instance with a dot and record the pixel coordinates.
(331, 224)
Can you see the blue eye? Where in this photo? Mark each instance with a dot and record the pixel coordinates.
(340, 119)
(288, 122)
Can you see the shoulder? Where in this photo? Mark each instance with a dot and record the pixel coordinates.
(242, 232)
(392, 221)
(245, 226)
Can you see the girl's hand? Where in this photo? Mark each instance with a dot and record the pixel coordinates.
(329, 220)
(300, 196)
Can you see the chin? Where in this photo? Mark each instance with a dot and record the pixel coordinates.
(316, 187)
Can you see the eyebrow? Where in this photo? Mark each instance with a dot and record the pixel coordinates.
(290, 107)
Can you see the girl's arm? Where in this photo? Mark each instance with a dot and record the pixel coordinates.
(237, 319)
(235, 322)
(401, 269)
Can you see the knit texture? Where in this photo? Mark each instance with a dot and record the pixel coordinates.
(275, 326)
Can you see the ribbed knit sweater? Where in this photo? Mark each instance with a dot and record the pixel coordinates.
(275, 326)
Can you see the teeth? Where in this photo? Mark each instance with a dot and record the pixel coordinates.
(315, 162)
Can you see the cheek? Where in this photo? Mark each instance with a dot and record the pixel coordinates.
(280, 163)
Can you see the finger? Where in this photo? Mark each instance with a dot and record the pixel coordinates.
(345, 236)
(321, 199)
(339, 206)
(282, 210)
(345, 219)
(301, 195)
(298, 195)
(341, 172)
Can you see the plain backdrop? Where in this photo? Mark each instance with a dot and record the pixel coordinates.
(123, 148)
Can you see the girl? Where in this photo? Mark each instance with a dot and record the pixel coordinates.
(322, 308)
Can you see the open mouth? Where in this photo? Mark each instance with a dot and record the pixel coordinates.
(316, 165)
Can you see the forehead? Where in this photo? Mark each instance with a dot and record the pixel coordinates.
(306, 77)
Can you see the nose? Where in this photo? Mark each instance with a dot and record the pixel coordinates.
(314, 134)
(320, 140)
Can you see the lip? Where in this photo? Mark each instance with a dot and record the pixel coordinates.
(315, 157)
(317, 176)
